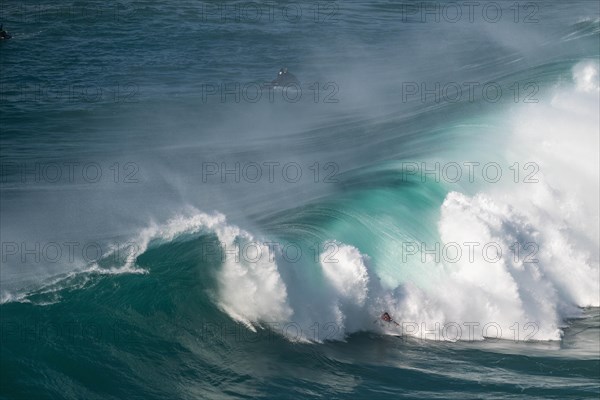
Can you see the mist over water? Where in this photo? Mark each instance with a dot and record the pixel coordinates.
(441, 168)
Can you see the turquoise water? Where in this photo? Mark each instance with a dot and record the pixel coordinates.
(166, 234)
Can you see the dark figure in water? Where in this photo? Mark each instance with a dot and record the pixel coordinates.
(3, 34)
(387, 318)
(284, 78)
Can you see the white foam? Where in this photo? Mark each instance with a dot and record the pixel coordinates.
(347, 273)
(250, 291)
(517, 295)
(585, 75)
(559, 214)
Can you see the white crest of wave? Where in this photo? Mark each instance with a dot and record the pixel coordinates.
(250, 287)
(515, 294)
(249, 291)
(181, 224)
(346, 306)
(503, 287)
(347, 273)
(558, 215)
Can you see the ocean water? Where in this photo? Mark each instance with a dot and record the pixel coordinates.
(172, 227)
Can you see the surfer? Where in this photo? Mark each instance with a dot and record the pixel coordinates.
(3, 33)
(284, 78)
(387, 318)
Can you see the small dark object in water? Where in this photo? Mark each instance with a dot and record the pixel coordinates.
(3, 34)
(284, 78)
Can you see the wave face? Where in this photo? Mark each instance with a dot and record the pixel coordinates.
(200, 244)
